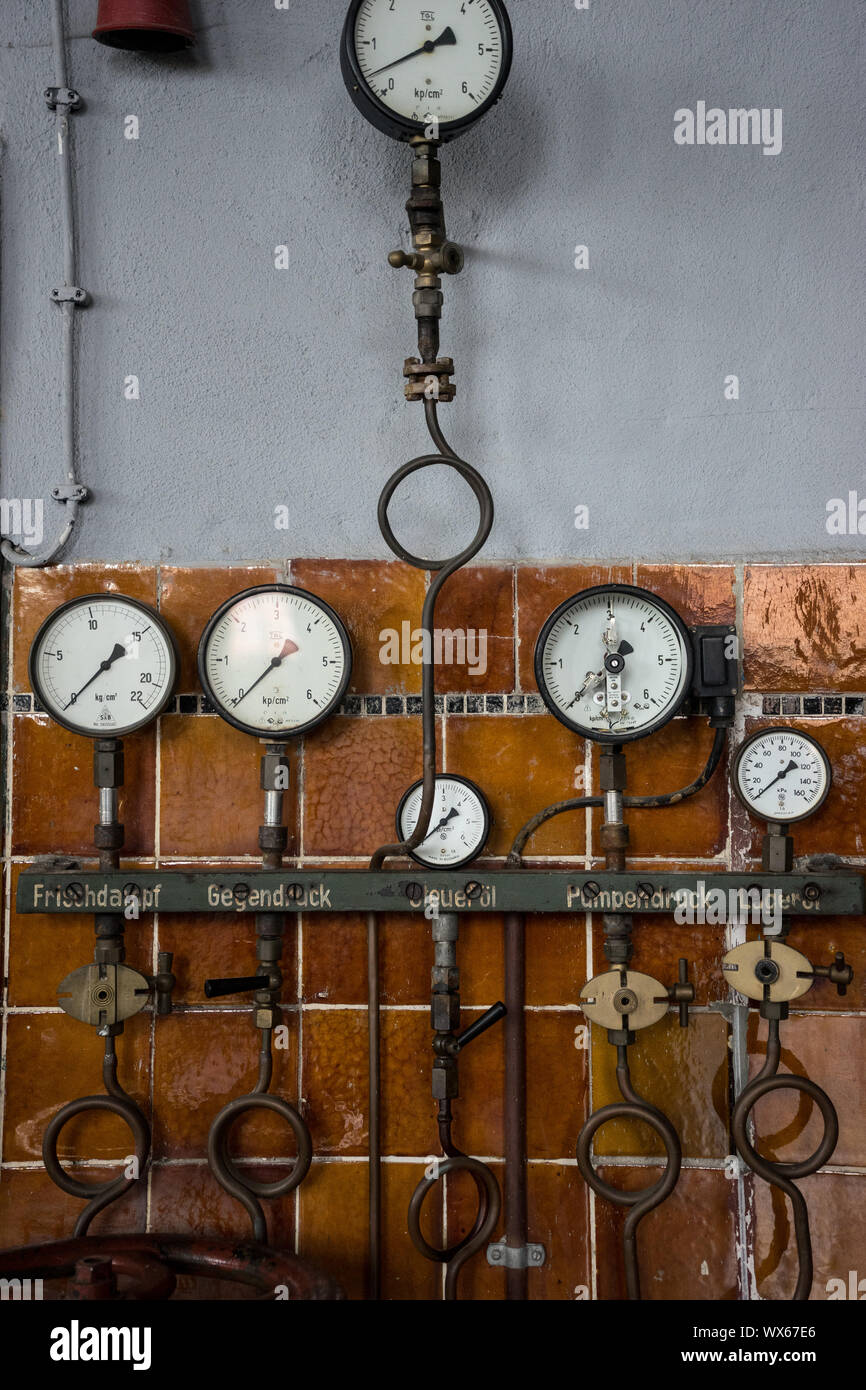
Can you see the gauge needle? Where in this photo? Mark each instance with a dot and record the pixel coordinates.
(288, 649)
(447, 36)
(792, 767)
(444, 821)
(103, 666)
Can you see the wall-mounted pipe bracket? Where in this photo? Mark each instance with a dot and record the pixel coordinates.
(62, 96)
(503, 1256)
(70, 294)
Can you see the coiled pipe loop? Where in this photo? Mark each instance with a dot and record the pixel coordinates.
(486, 1219)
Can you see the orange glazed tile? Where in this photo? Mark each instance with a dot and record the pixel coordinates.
(805, 627)
(335, 958)
(373, 597)
(832, 1051)
(838, 827)
(673, 758)
(221, 946)
(202, 1061)
(837, 1222)
(334, 1231)
(556, 965)
(540, 589)
(34, 1210)
(334, 1047)
(187, 1199)
(355, 772)
(699, 593)
(43, 949)
(658, 945)
(819, 941)
(188, 598)
(480, 599)
(37, 592)
(56, 814)
(557, 1101)
(683, 1071)
(687, 1247)
(521, 763)
(52, 1059)
(211, 803)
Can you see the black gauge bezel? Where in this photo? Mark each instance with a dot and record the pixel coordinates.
(106, 596)
(400, 127)
(276, 735)
(624, 736)
(488, 822)
(756, 738)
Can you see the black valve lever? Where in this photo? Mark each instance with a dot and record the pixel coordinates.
(487, 1020)
(237, 985)
(163, 982)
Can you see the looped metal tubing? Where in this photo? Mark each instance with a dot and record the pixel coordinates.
(644, 1199)
(486, 1220)
(267, 1271)
(780, 1174)
(246, 1189)
(478, 486)
(97, 1195)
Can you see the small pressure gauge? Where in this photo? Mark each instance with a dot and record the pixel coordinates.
(459, 825)
(408, 67)
(275, 661)
(781, 775)
(103, 665)
(614, 663)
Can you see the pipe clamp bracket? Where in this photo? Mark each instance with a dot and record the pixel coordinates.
(503, 1256)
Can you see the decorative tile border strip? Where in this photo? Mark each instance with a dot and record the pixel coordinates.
(359, 706)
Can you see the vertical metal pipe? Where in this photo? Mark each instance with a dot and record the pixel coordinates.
(515, 1098)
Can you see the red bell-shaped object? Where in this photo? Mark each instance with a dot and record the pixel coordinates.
(146, 26)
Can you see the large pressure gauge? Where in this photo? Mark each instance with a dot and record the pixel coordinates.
(408, 66)
(459, 826)
(781, 775)
(103, 665)
(614, 663)
(274, 661)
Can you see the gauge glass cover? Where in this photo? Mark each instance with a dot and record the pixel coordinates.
(459, 825)
(275, 661)
(614, 663)
(782, 775)
(406, 66)
(103, 665)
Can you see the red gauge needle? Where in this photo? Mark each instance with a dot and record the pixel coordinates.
(288, 649)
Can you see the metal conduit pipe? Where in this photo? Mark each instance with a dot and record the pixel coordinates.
(68, 297)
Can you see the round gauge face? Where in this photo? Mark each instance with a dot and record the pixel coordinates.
(781, 775)
(408, 67)
(614, 663)
(274, 661)
(459, 825)
(103, 665)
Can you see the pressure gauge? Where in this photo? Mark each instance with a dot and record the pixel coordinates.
(781, 775)
(459, 825)
(274, 661)
(614, 663)
(103, 665)
(408, 67)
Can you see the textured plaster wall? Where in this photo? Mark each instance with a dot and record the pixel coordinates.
(602, 387)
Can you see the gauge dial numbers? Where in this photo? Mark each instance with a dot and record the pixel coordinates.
(782, 775)
(103, 665)
(407, 66)
(614, 663)
(274, 661)
(459, 825)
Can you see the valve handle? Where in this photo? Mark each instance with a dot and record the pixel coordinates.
(213, 989)
(682, 993)
(163, 982)
(487, 1020)
(839, 973)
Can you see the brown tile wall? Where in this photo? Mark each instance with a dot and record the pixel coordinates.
(805, 663)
